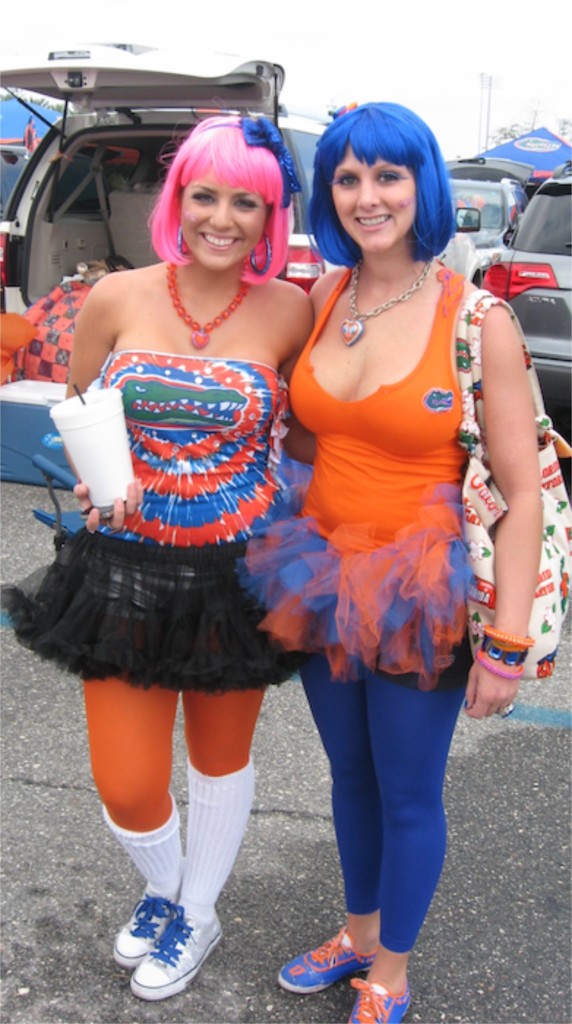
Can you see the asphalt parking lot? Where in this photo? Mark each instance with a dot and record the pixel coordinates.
(495, 948)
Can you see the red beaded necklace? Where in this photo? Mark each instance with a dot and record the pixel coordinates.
(200, 333)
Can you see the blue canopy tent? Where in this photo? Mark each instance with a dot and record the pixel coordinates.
(14, 117)
(539, 147)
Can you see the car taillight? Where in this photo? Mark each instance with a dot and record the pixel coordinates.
(304, 266)
(496, 279)
(506, 280)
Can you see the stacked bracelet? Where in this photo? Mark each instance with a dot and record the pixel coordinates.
(516, 643)
(504, 648)
(499, 653)
(493, 666)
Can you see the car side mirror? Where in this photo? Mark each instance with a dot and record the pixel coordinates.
(468, 218)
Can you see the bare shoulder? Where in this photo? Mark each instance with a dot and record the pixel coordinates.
(500, 321)
(502, 344)
(325, 285)
(123, 282)
(500, 333)
(285, 293)
(113, 301)
(289, 301)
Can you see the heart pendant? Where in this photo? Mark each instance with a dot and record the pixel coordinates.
(352, 331)
(200, 338)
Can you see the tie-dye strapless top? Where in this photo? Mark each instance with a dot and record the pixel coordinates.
(205, 437)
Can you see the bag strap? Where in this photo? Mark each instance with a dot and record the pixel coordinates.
(468, 357)
(472, 431)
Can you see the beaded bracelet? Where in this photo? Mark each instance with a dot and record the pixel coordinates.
(509, 656)
(518, 643)
(492, 666)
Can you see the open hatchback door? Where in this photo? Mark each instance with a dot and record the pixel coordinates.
(110, 78)
(480, 168)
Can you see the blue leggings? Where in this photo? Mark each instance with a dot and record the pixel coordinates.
(388, 747)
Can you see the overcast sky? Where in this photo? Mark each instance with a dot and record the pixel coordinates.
(428, 56)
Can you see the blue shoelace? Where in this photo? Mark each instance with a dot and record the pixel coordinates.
(150, 907)
(170, 945)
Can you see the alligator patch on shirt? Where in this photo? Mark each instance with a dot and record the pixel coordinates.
(437, 400)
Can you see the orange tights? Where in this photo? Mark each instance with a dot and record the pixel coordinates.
(131, 743)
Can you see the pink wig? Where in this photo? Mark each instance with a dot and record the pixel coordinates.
(217, 146)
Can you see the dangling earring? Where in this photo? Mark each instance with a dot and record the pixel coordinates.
(180, 240)
(256, 269)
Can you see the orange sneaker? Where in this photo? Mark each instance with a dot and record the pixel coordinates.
(375, 1004)
(321, 967)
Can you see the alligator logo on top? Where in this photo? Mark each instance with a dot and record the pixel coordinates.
(176, 405)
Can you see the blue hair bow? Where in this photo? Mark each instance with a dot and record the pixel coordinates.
(262, 132)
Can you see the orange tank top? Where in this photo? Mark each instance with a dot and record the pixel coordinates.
(375, 457)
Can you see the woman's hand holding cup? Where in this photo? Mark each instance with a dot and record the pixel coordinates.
(121, 508)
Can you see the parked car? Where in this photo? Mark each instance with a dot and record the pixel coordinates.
(501, 205)
(12, 161)
(535, 277)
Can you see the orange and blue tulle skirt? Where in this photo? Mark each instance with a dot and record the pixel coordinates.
(399, 608)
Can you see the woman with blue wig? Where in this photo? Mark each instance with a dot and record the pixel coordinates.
(372, 577)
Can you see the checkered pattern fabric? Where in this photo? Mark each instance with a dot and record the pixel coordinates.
(47, 356)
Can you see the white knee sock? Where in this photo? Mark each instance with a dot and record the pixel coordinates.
(157, 854)
(219, 808)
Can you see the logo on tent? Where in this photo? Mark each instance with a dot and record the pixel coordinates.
(537, 145)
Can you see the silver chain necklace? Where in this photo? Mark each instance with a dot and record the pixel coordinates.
(352, 329)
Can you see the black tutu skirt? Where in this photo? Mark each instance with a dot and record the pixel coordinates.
(172, 617)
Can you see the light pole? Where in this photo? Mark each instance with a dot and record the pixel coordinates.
(486, 84)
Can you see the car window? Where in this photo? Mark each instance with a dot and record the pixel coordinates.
(521, 199)
(11, 166)
(302, 145)
(513, 208)
(546, 225)
(489, 201)
(517, 200)
(305, 149)
(477, 197)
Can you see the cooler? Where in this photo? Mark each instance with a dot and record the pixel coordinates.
(26, 429)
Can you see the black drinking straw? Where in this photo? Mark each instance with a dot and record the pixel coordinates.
(79, 394)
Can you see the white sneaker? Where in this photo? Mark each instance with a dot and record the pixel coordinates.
(146, 924)
(176, 958)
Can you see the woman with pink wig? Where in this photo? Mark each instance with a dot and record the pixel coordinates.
(146, 604)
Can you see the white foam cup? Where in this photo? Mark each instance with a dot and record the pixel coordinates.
(94, 434)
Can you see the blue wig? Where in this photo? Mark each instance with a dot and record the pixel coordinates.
(393, 133)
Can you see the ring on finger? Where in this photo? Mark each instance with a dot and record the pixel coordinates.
(506, 711)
